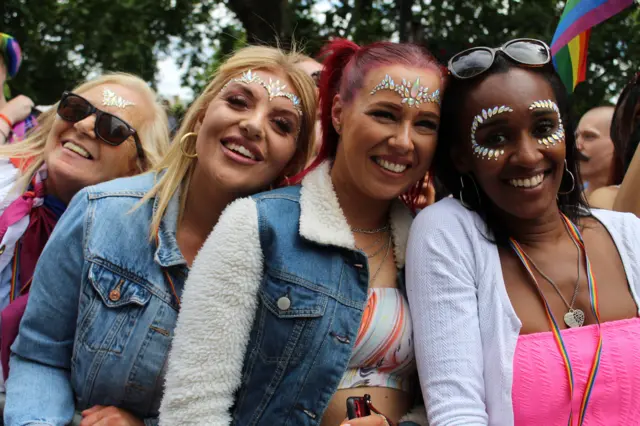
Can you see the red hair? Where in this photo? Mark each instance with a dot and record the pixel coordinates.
(344, 71)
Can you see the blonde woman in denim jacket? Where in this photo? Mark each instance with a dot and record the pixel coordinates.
(106, 293)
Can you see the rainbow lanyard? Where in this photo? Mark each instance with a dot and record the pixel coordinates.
(593, 295)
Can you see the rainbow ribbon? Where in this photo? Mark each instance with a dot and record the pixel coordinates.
(593, 295)
(571, 39)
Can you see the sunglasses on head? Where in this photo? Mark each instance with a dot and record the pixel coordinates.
(472, 62)
(316, 77)
(108, 127)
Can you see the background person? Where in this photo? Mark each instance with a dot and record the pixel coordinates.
(16, 118)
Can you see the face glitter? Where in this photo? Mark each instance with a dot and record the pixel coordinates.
(273, 88)
(110, 98)
(413, 94)
(558, 135)
(478, 150)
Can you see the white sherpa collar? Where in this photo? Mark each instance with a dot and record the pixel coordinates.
(322, 220)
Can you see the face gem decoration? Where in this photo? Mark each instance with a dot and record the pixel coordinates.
(558, 135)
(478, 150)
(274, 88)
(110, 98)
(412, 94)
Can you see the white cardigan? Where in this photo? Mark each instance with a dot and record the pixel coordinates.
(465, 328)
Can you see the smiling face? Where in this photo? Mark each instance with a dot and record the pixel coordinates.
(248, 134)
(76, 157)
(387, 140)
(516, 149)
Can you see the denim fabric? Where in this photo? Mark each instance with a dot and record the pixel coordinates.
(101, 315)
(311, 302)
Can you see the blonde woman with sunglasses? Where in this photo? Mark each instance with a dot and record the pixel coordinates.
(75, 145)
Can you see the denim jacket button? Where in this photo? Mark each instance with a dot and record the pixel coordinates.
(114, 295)
(2, 249)
(284, 303)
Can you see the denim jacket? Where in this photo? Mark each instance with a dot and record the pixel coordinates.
(101, 315)
(271, 311)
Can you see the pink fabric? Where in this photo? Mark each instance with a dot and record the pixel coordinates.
(10, 317)
(43, 212)
(540, 385)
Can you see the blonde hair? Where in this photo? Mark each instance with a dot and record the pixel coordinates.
(153, 132)
(304, 58)
(179, 168)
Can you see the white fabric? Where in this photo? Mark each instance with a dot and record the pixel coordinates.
(465, 328)
(9, 175)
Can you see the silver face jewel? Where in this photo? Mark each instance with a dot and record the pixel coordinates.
(110, 98)
(478, 150)
(413, 94)
(558, 135)
(274, 88)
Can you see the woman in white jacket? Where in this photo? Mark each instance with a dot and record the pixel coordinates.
(525, 302)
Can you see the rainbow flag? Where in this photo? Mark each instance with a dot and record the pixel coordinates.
(571, 40)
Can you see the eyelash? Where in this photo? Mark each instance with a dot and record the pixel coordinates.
(240, 101)
(542, 129)
(283, 125)
(383, 114)
(431, 125)
(390, 116)
(236, 100)
(490, 139)
(547, 125)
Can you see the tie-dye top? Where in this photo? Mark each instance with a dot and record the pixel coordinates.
(383, 353)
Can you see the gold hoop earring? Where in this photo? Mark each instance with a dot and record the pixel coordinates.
(182, 141)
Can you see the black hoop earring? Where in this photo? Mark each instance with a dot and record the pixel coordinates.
(468, 206)
(573, 180)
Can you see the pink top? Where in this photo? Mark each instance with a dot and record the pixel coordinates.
(541, 388)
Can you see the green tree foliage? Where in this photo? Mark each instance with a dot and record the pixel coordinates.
(65, 40)
(449, 26)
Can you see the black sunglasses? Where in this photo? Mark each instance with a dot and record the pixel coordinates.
(109, 128)
(473, 62)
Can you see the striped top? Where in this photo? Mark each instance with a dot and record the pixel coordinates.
(383, 354)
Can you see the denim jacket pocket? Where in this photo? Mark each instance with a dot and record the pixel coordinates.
(113, 303)
(291, 308)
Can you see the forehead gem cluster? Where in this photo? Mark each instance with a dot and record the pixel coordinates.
(478, 150)
(110, 98)
(558, 135)
(413, 94)
(274, 88)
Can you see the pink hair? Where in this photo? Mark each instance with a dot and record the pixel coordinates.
(344, 71)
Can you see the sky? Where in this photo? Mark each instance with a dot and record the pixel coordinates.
(170, 74)
(169, 80)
